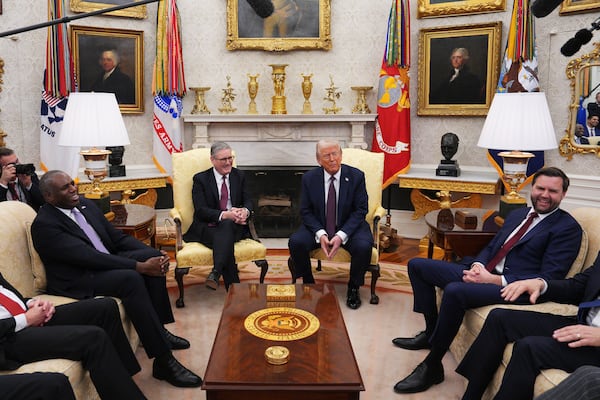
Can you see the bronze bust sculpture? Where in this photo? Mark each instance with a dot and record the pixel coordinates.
(449, 147)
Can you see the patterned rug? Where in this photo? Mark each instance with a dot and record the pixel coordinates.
(393, 276)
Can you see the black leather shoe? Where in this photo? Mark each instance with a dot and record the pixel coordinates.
(169, 369)
(421, 379)
(176, 342)
(212, 280)
(419, 342)
(353, 298)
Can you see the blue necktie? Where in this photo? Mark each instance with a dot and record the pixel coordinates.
(89, 231)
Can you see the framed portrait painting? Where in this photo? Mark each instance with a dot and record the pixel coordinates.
(442, 8)
(87, 6)
(458, 69)
(110, 60)
(579, 6)
(293, 25)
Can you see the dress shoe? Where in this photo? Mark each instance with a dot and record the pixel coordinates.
(419, 342)
(353, 298)
(212, 280)
(176, 342)
(167, 368)
(421, 379)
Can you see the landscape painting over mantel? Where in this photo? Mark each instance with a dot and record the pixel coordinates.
(294, 25)
(442, 8)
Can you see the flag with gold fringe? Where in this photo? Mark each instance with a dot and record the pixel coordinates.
(519, 73)
(58, 83)
(392, 127)
(168, 87)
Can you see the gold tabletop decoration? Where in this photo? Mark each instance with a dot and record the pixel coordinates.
(281, 324)
(277, 355)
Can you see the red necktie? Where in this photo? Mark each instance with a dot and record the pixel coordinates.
(12, 306)
(510, 243)
(13, 191)
(331, 209)
(224, 194)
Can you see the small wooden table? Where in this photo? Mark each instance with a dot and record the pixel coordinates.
(136, 220)
(321, 366)
(455, 240)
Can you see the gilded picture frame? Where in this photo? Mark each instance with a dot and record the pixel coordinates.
(306, 26)
(464, 89)
(88, 6)
(443, 8)
(578, 6)
(90, 45)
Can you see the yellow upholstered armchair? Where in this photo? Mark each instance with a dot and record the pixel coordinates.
(372, 165)
(187, 255)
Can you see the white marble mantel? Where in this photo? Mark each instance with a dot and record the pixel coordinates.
(350, 129)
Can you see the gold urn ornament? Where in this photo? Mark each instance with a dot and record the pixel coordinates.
(306, 91)
(252, 92)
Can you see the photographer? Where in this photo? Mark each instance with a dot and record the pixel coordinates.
(18, 181)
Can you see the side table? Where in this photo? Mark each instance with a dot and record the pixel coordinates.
(457, 241)
(136, 220)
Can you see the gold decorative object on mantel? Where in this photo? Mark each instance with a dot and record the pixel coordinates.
(306, 91)
(227, 99)
(331, 95)
(278, 76)
(361, 106)
(200, 105)
(252, 92)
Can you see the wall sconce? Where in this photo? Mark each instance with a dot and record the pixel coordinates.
(515, 122)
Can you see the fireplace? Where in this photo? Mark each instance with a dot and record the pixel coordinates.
(275, 193)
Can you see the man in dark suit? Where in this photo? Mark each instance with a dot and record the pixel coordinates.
(591, 126)
(37, 385)
(113, 80)
(541, 340)
(593, 107)
(222, 205)
(19, 187)
(548, 245)
(89, 331)
(333, 207)
(85, 256)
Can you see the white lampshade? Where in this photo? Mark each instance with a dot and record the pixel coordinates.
(93, 120)
(518, 121)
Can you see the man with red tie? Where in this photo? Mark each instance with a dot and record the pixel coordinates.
(18, 187)
(89, 331)
(222, 205)
(541, 241)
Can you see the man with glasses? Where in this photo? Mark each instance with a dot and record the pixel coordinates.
(222, 205)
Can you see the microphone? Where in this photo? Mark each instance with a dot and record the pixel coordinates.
(582, 37)
(263, 8)
(541, 8)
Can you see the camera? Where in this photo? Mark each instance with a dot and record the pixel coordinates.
(25, 169)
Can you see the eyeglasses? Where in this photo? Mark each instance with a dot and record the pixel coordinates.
(225, 159)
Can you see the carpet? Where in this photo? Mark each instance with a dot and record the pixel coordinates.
(393, 276)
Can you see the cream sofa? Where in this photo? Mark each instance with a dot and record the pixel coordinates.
(589, 219)
(21, 266)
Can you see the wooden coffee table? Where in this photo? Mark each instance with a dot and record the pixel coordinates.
(321, 366)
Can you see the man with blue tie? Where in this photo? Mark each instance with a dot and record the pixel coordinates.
(333, 207)
(591, 126)
(539, 241)
(541, 340)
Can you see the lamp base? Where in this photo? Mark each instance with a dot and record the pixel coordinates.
(508, 204)
(116, 170)
(102, 201)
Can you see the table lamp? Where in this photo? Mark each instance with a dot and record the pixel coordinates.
(93, 120)
(515, 122)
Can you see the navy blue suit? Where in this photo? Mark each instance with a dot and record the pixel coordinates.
(534, 348)
(352, 207)
(546, 251)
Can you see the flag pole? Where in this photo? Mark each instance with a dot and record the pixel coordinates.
(75, 17)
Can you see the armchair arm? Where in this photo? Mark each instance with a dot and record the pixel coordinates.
(252, 228)
(179, 235)
(377, 215)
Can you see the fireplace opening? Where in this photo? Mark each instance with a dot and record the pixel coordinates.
(275, 193)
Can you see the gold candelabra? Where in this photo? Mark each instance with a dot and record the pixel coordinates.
(227, 99)
(331, 94)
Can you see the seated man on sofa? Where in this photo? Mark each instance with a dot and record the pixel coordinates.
(86, 256)
(541, 340)
(89, 331)
(539, 241)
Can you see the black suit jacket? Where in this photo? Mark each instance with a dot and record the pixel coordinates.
(585, 286)
(206, 200)
(33, 196)
(7, 329)
(69, 256)
(593, 108)
(118, 83)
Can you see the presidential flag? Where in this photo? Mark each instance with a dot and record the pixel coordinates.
(392, 126)
(168, 87)
(58, 82)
